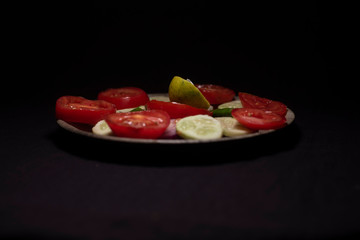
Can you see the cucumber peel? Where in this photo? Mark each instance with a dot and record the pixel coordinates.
(224, 112)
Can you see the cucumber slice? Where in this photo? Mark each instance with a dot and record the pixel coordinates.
(160, 98)
(102, 128)
(232, 104)
(231, 127)
(201, 127)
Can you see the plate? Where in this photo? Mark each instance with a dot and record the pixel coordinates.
(85, 130)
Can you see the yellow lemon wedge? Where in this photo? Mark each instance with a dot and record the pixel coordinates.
(184, 91)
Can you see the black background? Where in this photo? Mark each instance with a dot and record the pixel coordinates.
(300, 182)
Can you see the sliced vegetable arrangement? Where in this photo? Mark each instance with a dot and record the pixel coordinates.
(191, 111)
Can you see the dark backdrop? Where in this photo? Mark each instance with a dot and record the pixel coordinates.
(300, 182)
(292, 51)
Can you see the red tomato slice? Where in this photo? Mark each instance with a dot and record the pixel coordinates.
(81, 110)
(216, 94)
(149, 124)
(176, 110)
(126, 97)
(252, 101)
(258, 119)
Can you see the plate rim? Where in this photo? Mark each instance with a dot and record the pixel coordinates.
(290, 117)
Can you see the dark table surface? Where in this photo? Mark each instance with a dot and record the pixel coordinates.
(300, 182)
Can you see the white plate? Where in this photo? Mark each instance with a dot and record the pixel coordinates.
(86, 131)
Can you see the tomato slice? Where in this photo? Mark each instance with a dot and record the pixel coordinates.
(176, 110)
(258, 119)
(82, 110)
(126, 97)
(252, 101)
(150, 124)
(216, 94)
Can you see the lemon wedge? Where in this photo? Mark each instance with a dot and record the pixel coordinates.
(184, 91)
(201, 127)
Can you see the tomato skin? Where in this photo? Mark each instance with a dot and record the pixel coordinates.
(126, 97)
(150, 124)
(252, 101)
(258, 119)
(176, 110)
(216, 94)
(81, 110)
